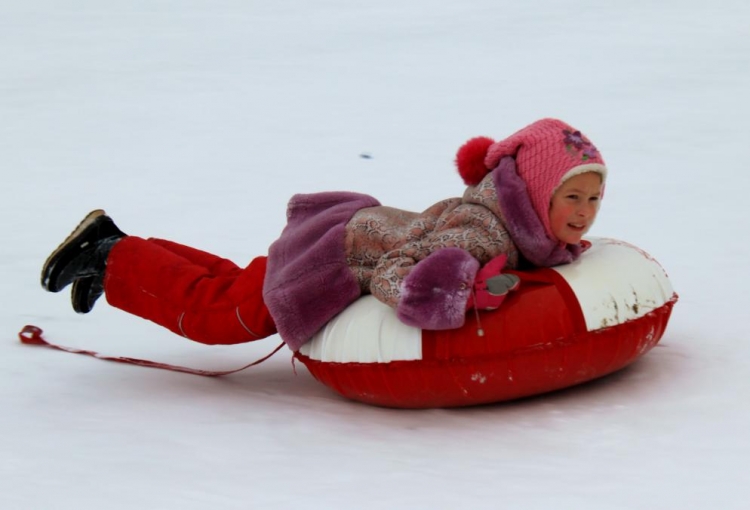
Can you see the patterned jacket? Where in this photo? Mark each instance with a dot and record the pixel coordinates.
(383, 244)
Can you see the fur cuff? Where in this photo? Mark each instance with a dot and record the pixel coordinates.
(435, 293)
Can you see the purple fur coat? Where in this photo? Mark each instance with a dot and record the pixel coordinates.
(337, 246)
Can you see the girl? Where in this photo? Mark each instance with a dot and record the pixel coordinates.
(529, 201)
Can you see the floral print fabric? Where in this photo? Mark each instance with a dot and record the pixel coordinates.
(383, 244)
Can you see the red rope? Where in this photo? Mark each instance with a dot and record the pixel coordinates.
(32, 335)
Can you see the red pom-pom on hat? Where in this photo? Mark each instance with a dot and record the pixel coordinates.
(470, 159)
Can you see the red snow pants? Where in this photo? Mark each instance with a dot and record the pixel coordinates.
(197, 295)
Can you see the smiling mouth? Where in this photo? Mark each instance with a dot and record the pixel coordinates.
(576, 226)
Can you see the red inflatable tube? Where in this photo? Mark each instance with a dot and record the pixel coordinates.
(563, 327)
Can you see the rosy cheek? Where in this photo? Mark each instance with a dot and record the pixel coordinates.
(558, 218)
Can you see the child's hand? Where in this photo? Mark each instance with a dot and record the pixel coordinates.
(491, 286)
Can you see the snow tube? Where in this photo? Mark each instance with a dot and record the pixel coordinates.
(564, 326)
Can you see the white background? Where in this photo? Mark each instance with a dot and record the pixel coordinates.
(196, 120)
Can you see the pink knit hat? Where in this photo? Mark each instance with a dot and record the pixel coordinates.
(547, 153)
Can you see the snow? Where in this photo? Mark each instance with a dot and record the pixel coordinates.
(196, 121)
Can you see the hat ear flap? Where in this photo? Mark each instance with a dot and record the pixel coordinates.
(470, 160)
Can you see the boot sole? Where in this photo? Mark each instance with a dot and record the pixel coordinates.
(51, 263)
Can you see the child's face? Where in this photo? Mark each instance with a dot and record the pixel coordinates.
(574, 206)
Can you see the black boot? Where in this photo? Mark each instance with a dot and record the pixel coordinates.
(85, 291)
(83, 255)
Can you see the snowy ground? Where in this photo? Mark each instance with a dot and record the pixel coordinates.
(196, 120)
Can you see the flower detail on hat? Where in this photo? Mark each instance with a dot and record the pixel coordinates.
(574, 138)
(590, 152)
(576, 143)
